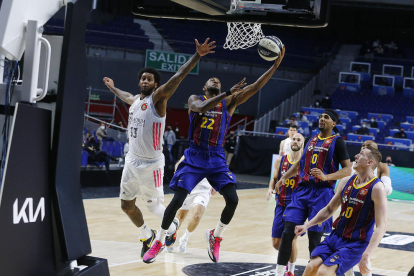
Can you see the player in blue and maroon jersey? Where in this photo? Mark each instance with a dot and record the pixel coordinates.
(282, 165)
(318, 169)
(210, 116)
(363, 201)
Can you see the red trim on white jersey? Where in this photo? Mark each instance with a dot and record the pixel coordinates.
(156, 135)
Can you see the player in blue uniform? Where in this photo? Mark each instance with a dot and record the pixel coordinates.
(210, 116)
(318, 171)
(282, 165)
(363, 201)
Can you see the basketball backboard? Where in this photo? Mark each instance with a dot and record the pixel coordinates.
(297, 13)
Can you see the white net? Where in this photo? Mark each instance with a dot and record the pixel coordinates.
(242, 35)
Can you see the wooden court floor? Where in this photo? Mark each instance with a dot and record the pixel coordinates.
(246, 239)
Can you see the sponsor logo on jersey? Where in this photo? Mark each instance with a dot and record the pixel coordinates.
(285, 163)
(310, 148)
(363, 192)
(344, 198)
(212, 113)
(355, 201)
(144, 107)
(349, 187)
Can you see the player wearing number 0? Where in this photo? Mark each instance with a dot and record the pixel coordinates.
(144, 164)
(363, 202)
(318, 171)
(210, 116)
(282, 165)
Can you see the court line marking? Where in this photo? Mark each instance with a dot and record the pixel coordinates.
(241, 273)
(302, 262)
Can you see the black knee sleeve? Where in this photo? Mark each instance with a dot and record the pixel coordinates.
(314, 240)
(285, 248)
(172, 208)
(230, 196)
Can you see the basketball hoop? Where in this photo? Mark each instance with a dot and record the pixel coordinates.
(242, 35)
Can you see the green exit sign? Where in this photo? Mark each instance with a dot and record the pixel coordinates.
(167, 61)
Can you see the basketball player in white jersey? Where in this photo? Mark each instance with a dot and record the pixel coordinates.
(284, 147)
(199, 199)
(383, 173)
(144, 164)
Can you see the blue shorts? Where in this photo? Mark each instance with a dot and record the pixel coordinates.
(200, 163)
(336, 250)
(307, 201)
(278, 223)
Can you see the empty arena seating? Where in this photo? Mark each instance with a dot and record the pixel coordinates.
(121, 33)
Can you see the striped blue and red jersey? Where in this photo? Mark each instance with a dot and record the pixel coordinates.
(285, 196)
(209, 128)
(319, 153)
(357, 218)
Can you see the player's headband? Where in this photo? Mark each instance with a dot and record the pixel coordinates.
(333, 117)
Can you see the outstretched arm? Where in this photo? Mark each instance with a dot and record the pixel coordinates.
(274, 178)
(380, 207)
(345, 171)
(251, 89)
(165, 91)
(195, 104)
(124, 96)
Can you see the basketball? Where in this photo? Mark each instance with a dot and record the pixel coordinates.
(270, 47)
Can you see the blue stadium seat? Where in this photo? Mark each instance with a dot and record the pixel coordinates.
(111, 147)
(117, 149)
(84, 161)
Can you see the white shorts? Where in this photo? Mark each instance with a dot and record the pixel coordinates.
(196, 199)
(142, 178)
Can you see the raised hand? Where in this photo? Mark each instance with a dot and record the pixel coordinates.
(238, 87)
(108, 82)
(205, 48)
(279, 59)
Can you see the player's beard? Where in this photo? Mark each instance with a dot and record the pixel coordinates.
(147, 92)
(321, 127)
(295, 148)
(213, 90)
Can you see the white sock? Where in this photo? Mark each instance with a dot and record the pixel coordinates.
(280, 270)
(291, 267)
(218, 232)
(145, 231)
(156, 208)
(350, 272)
(173, 227)
(163, 234)
(186, 235)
